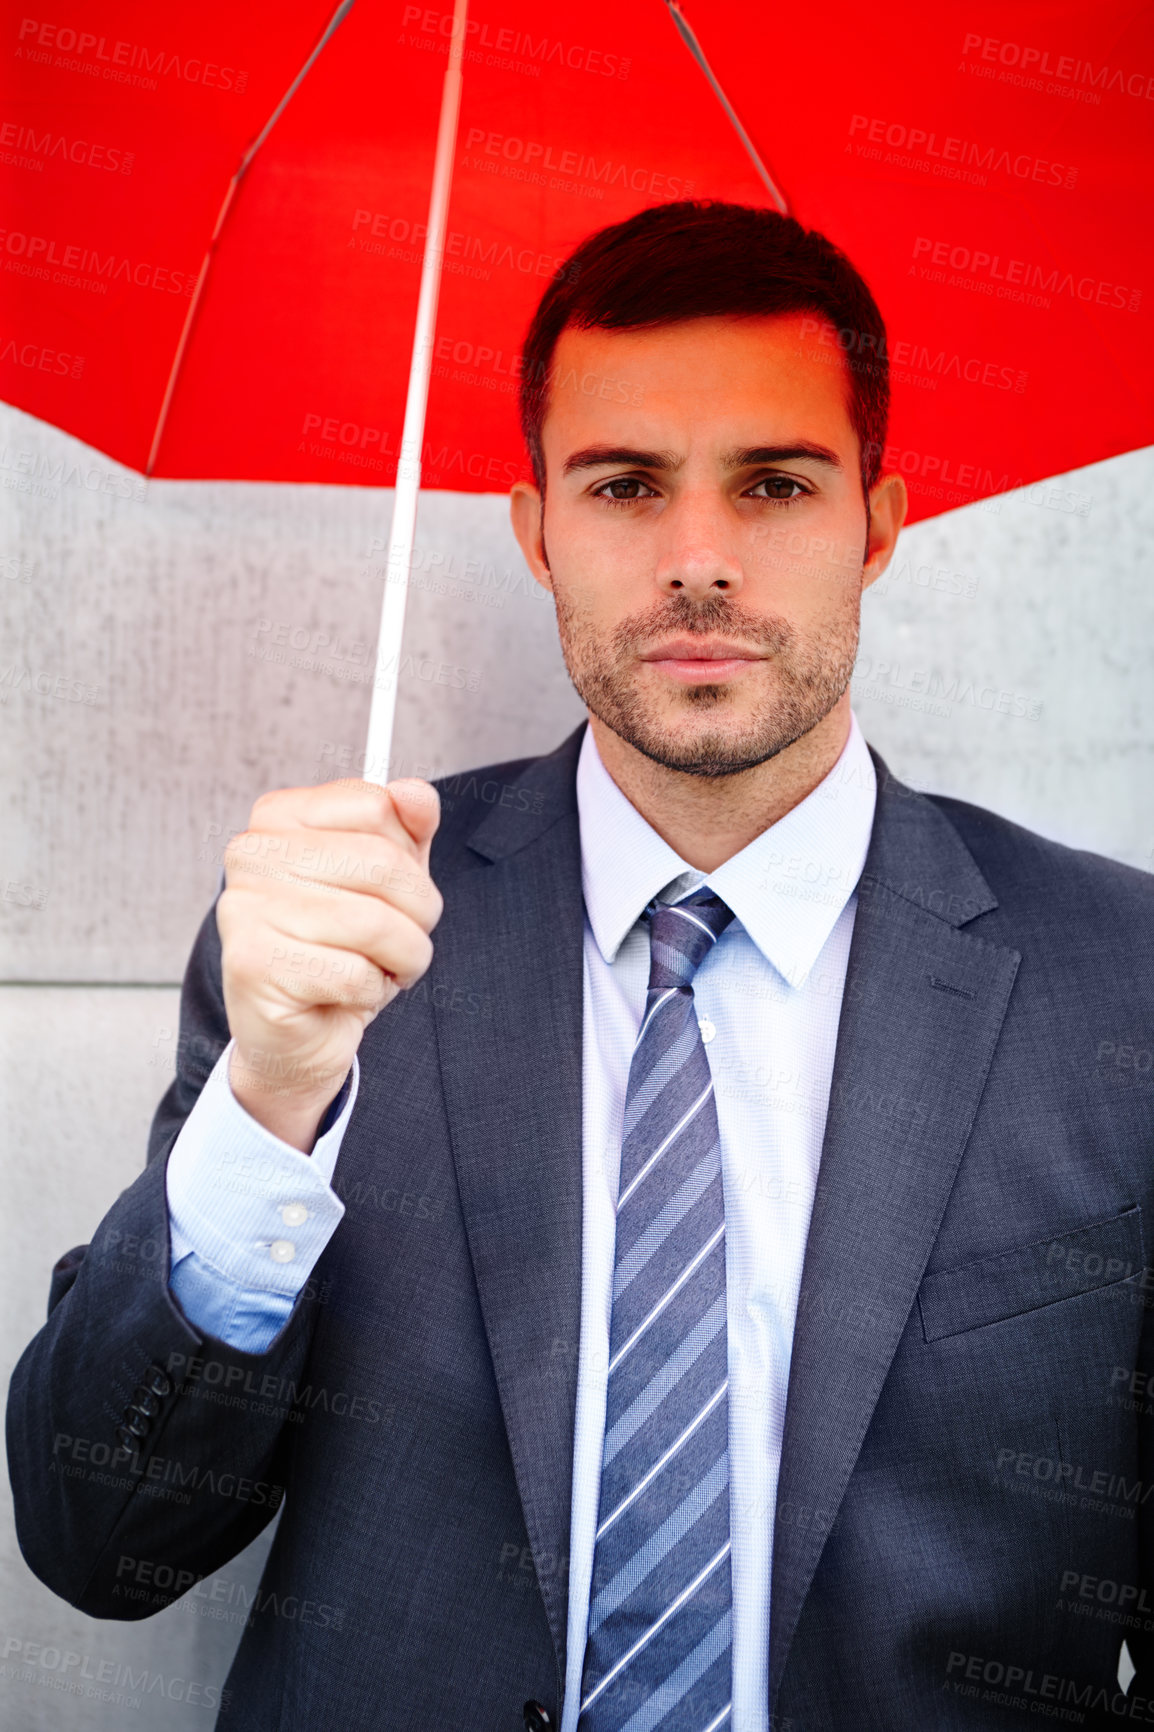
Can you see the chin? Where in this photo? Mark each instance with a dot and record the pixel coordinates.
(710, 753)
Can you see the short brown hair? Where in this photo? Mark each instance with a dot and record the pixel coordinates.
(701, 259)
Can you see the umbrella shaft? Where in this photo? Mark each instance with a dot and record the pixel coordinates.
(382, 710)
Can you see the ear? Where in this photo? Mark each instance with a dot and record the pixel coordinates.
(527, 514)
(889, 503)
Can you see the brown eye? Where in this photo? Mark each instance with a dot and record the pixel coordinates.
(624, 487)
(779, 487)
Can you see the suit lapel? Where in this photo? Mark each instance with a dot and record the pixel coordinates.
(512, 931)
(923, 1006)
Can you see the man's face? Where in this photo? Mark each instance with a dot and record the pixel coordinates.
(704, 534)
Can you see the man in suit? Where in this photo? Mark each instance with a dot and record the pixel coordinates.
(706, 1286)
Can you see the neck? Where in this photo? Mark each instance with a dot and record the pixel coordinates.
(709, 819)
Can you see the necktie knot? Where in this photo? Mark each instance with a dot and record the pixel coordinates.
(682, 934)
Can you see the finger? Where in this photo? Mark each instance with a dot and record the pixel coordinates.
(383, 935)
(331, 863)
(364, 807)
(315, 974)
(418, 806)
(302, 975)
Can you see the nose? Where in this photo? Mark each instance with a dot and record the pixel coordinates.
(698, 553)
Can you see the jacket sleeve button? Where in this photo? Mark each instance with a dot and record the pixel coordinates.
(537, 1718)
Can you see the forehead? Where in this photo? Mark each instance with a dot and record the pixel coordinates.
(746, 380)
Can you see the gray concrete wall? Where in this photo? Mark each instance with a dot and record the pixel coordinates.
(162, 664)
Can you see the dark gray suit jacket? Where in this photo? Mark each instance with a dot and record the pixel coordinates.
(964, 1509)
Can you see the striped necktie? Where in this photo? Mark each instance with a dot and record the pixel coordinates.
(658, 1656)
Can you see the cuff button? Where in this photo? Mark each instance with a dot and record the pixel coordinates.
(282, 1250)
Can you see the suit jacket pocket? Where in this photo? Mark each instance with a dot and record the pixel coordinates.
(1014, 1282)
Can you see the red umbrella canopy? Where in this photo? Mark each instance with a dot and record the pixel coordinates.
(985, 169)
(989, 169)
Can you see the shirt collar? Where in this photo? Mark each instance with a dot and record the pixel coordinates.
(787, 887)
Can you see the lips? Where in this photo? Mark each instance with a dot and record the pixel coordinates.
(690, 661)
(687, 649)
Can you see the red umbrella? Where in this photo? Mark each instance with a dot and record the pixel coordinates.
(220, 222)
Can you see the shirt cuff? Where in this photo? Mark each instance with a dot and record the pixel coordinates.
(252, 1208)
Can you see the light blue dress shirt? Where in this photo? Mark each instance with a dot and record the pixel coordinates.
(248, 1215)
(768, 1000)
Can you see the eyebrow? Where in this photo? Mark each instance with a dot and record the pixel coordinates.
(599, 456)
(747, 457)
(755, 456)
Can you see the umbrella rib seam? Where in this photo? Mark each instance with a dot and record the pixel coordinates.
(689, 37)
(226, 204)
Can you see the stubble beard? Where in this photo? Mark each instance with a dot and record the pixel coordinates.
(811, 676)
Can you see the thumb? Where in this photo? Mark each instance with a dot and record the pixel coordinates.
(418, 806)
